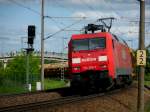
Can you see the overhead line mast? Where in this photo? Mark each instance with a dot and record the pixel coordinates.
(42, 44)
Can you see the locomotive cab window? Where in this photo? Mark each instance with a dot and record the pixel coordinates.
(89, 44)
(81, 44)
(96, 43)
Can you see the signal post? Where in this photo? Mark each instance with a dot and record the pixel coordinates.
(31, 36)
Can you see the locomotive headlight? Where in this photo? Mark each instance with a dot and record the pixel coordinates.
(102, 58)
(76, 60)
(76, 68)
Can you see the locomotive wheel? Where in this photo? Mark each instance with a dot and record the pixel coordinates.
(108, 84)
(79, 87)
(123, 81)
(130, 80)
(75, 87)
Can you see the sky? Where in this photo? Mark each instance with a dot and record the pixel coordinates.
(16, 15)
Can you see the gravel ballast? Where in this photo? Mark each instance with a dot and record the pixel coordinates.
(27, 98)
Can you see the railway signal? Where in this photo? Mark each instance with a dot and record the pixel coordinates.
(31, 36)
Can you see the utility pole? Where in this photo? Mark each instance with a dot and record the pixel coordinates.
(140, 106)
(42, 44)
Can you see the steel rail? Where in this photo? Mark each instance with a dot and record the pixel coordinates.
(49, 103)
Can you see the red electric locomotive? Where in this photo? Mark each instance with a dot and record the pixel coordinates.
(98, 60)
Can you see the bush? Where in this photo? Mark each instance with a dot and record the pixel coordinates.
(2, 76)
(16, 69)
(147, 68)
(147, 77)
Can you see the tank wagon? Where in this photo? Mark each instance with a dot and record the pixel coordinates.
(98, 59)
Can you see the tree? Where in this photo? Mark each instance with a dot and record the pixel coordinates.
(16, 69)
(147, 68)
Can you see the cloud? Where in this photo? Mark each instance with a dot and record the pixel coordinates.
(80, 2)
(147, 13)
(93, 9)
(95, 14)
(50, 30)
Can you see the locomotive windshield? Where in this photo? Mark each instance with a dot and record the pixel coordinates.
(89, 44)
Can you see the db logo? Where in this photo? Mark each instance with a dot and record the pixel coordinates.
(88, 59)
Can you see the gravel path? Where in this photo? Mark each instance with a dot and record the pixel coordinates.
(29, 98)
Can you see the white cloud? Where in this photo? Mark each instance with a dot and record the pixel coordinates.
(80, 2)
(79, 14)
(95, 14)
(81, 8)
(147, 13)
(51, 29)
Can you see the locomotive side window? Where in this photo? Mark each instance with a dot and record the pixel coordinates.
(96, 43)
(81, 44)
(113, 43)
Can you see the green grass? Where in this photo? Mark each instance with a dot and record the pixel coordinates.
(147, 83)
(147, 106)
(12, 90)
(147, 77)
(53, 83)
(16, 89)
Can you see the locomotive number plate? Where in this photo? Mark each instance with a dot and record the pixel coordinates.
(141, 57)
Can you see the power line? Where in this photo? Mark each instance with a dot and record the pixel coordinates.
(111, 7)
(139, 21)
(63, 17)
(135, 20)
(147, 33)
(55, 22)
(63, 23)
(21, 5)
(88, 6)
(72, 30)
(8, 38)
(62, 6)
(62, 29)
(123, 17)
(30, 9)
(52, 18)
(4, 38)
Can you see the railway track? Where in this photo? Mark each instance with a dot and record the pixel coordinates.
(56, 102)
(68, 99)
(146, 86)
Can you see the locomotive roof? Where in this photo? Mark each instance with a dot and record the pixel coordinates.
(119, 39)
(90, 35)
(99, 34)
